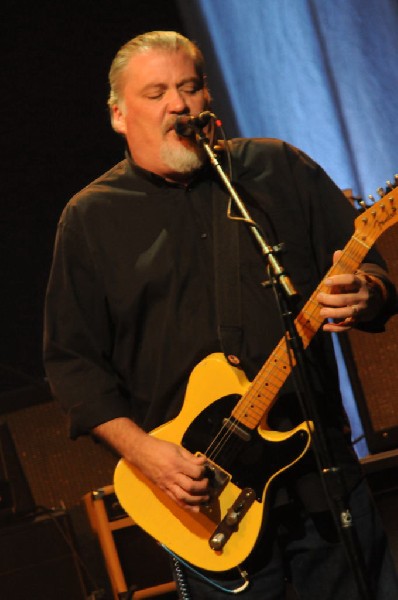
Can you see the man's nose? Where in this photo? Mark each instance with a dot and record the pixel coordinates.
(177, 102)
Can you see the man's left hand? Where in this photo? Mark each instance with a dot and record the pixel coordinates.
(351, 299)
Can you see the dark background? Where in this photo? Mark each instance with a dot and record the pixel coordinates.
(56, 137)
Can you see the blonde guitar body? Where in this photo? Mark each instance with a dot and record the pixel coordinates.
(224, 417)
(212, 390)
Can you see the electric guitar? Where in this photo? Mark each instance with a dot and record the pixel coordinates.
(224, 417)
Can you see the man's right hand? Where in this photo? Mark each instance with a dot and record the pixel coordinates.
(177, 472)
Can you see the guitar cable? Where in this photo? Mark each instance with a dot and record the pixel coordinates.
(180, 578)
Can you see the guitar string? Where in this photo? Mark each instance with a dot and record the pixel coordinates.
(356, 257)
(234, 422)
(355, 254)
(227, 430)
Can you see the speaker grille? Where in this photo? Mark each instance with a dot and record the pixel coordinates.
(372, 364)
(58, 470)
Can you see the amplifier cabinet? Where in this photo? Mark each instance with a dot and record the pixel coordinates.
(381, 471)
(38, 560)
(372, 365)
(134, 561)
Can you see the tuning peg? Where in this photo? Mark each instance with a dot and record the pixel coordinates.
(371, 198)
(395, 179)
(381, 192)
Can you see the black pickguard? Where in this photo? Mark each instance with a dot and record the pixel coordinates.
(250, 463)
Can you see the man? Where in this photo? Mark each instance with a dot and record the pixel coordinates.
(130, 311)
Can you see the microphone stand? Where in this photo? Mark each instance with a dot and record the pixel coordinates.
(330, 474)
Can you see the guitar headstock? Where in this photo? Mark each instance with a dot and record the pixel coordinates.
(379, 215)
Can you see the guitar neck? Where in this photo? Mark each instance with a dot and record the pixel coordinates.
(256, 403)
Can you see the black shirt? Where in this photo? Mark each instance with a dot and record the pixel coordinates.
(130, 306)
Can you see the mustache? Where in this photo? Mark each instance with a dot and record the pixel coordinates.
(169, 124)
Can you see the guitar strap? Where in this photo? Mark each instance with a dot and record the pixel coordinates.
(227, 278)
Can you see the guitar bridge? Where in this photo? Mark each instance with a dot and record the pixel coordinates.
(230, 522)
(218, 478)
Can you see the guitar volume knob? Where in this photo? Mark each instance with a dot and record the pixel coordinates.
(217, 541)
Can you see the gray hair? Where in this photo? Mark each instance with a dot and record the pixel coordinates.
(163, 40)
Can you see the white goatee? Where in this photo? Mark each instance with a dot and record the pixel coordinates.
(182, 159)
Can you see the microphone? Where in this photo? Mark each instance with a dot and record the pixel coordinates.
(186, 125)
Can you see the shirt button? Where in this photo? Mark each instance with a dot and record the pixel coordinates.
(203, 236)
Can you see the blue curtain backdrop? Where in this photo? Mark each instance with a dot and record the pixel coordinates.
(320, 74)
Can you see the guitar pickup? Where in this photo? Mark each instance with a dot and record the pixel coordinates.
(233, 517)
(233, 427)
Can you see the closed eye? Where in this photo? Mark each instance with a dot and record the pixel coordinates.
(155, 96)
(190, 87)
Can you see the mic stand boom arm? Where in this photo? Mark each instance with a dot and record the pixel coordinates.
(267, 250)
(330, 474)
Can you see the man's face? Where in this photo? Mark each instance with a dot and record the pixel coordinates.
(158, 86)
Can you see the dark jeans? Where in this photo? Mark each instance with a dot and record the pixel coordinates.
(306, 551)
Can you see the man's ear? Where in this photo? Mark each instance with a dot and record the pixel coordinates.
(118, 120)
